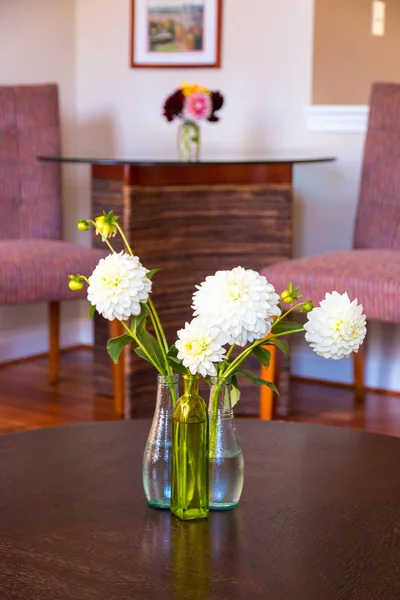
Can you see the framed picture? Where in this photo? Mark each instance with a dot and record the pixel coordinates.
(176, 33)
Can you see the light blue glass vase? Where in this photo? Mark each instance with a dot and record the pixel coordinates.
(157, 454)
(226, 457)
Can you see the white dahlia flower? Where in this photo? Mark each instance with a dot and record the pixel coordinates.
(241, 303)
(336, 327)
(200, 346)
(118, 285)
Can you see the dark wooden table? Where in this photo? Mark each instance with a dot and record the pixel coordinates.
(319, 519)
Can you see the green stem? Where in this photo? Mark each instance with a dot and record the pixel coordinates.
(228, 354)
(168, 368)
(238, 360)
(246, 353)
(279, 319)
(159, 340)
(149, 358)
(283, 333)
(157, 319)
(124, 238)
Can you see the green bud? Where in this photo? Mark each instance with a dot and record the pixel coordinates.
(307, 306)
(287, 297)
(82, 225)
(75, 286)
(75, 283)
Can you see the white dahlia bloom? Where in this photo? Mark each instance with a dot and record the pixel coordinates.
(118, 285)
(241, 303)
(200, 346)
(336, 327)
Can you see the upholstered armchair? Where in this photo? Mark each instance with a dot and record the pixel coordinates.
(34, 261)
(371, 271)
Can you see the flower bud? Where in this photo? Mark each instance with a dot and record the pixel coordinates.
(75, 286)
(287, 297)
(106, 225)
(75, 283)
(82, 225)
(308, 306)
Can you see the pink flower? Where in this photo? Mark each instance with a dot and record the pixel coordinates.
(198, 106)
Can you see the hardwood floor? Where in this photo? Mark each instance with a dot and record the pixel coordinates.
(28, 402)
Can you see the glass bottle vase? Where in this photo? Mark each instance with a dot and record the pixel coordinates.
(190, 465)
(157, 453)
(226, 457)
(189, 141)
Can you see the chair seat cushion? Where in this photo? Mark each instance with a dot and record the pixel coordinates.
(371, 276)
(37, 270)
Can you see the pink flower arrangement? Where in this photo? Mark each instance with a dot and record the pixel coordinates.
(193, 103)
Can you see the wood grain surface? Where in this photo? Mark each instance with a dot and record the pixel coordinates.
(190, 232)
(318, 520)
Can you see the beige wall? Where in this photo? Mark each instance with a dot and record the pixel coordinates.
(347, 57)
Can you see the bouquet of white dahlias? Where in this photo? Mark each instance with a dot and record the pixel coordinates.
(231, 309)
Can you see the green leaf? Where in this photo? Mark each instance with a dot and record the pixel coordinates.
(286, 326)
(172, 352)
(92, 310)
(177, 365)
(140, 353)
(138, 322)
(258, 381)
(151, 273)
(152, 347)
(283, 347)
(263, 355)
(235, 394)
(116, 345)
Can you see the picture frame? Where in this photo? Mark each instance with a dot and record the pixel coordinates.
(176, 34)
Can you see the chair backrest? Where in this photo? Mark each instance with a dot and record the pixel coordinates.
(30, 191)
(378, 213)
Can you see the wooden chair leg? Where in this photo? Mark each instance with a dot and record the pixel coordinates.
(115, 329)
(358, 370)
(267, 396)
(54, 341)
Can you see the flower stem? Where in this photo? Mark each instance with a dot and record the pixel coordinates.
(149, 358)
(154, 318)
(239, 360)
(246, 353)
(124, 239)
(267, 341)
(157, 319)
(279, 319)
(228, 354)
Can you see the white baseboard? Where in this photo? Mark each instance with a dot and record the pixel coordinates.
(337, 119)
(34, 340)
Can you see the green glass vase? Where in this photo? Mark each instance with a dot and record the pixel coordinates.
(190, 447)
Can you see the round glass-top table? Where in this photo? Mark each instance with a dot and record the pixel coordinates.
(319, 519)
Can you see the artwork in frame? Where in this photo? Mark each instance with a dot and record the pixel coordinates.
(176, 33)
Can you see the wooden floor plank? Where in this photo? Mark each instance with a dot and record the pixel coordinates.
(27, 401)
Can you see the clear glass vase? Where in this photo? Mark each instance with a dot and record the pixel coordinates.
(189, 141)
(190, 466)
(226, 457)
(157, 453)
